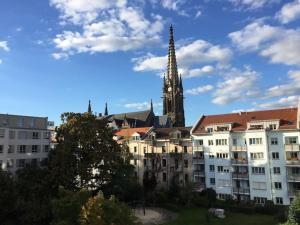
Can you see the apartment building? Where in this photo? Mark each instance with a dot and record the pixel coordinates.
(23, 140)
(249, 155)
(165, 153)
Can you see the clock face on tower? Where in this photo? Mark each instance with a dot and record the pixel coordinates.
(169, 89)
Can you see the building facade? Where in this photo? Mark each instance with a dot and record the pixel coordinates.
(249, 155)
(23, 140)
(165, 153)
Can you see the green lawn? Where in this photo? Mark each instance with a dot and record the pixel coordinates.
(198, 217)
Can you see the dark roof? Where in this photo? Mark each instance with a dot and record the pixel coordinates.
(166, 132)
(287, 118)
(163, 121)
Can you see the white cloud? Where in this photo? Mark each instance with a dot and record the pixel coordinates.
(290, 88)
(289, 12)
(237, 85)
(4, 46)
(1, 61)
(199, 90)
(243, 110)
(107, 26)
(290, 101)
(142, 105)
(189, 56)
(174, 5)
(60, 55)
(252, 4)
(278, 44)
(198, 13)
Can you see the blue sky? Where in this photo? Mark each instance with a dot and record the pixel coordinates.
(234, 55)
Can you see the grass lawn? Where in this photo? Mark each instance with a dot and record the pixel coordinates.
(198, 217)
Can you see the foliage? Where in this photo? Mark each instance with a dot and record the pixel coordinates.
(67, 206)
(101, 211)
(294, 212)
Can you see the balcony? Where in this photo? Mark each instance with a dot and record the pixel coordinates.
(150, 155)
(292, 161)
(293, 177)
(199, 186)
(235, 148)
(198, 160)
(200, 173)
(150, 142)
(241, 190)
(294, 192)
(176, 155)
(236, 175)
(292, 147)
(199, 148)
(239, 161)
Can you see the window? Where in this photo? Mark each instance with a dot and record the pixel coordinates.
(35, 135)
(22, 148)
(224, 196)
(34, 148)
(10, 163)
(222, 155)
(275, 155)
(223, 169)
(135, 149)
(145, 162)
(212, 168)
(234, 142)
(46, 148)
(12, 134)
(1, 148)
(136, 138)
(255, 141)
(135, 162)
(21, 163)
(164, 177)
(274, 141)
(256, 155)
(291, 140)
(185, 149)
(212, 181)
(145, 149)
(21, 122)
(278, 185)
(260, 200)
(209, 130)
(272, 126)
(221, 141)
(210, 142)
(176, 149)
(200, 142)
(259, 185)
(164, 162)
(258, 170)
(11, 149)
(46, 135)
(279, 201)
(211, 155)
(186, 178)
(186, 163)
(276, 170)
(2, 133)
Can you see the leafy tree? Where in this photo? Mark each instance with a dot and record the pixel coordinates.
(67, 206)
(8, 199)
(86, 155)
(101, 211)
(294, 213)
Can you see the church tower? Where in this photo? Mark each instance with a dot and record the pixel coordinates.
(173, 89)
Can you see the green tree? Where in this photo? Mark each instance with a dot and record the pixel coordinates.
(101, 211)
(294, 213)
(86, 155)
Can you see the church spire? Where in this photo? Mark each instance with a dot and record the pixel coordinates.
(106, 110)
(172, 73)
(151, 105)
(89, 107)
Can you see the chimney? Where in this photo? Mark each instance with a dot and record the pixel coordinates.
(298, 114)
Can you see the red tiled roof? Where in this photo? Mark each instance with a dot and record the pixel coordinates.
(127, 132)
(287, 117)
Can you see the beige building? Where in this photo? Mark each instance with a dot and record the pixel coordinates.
(23, 140)
(165, 153)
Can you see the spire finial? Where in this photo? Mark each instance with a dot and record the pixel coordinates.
(172, 73)
(151, 105)
(106, 110)
(89, 107)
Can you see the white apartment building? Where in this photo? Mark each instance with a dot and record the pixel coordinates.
(23, 140)
(249, 155)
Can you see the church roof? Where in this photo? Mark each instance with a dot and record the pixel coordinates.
(166, 132)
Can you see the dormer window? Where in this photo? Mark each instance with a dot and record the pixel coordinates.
(272, 126)
(136, 138)
(209, 130)
(256, 127)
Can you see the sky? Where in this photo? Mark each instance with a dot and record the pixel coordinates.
(233, 55)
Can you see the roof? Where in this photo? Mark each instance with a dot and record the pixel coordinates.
(287, 118)
(127, 132)
(165, 132)
(163, 121)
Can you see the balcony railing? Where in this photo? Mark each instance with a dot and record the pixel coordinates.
(241, 190)
(240, 175)
(293, 177)
(200, 173)
(291, 147)
(238, 148)
(198, 160)
(198, 148)
(242, 161)
(294, 192)
(293, 161)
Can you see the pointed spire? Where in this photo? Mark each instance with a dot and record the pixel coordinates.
(106, 110)
(180, 83)
(89, 107)
(172, 64)
(151, 105)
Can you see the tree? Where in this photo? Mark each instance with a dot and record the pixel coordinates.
(101, 211)
(8, 199)
(86, 155)
(294, 213)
